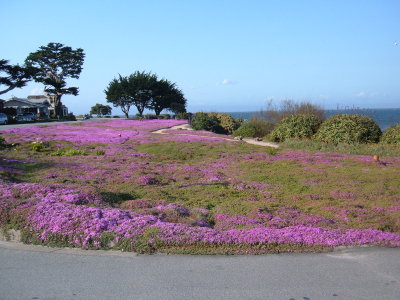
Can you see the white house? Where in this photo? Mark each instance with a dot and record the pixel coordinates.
(41, 105)
(18, 106)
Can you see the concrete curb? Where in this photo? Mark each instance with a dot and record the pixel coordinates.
(11, 239)
(72, 251)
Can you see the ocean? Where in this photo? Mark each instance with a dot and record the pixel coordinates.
(384, 117)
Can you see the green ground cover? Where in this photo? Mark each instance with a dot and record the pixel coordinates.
(116, 184)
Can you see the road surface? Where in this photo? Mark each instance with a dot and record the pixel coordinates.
(32, 272)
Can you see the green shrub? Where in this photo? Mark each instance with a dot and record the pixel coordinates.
(38, 147)
(70, 117)
(246, 130)
(100, 152)
(164, 116)
(204, 121)
(199, 121)
(254, 128)
(215, 122)
(150, 117)
(275, 113)
(182, 116)
(69, 152)
(296, 126)
(391, 135)
(226, 121)
(138, 117)
(349, 128)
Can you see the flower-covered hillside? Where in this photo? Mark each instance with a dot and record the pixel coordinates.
(117, 184)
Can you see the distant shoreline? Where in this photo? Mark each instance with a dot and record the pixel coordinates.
(384, 117)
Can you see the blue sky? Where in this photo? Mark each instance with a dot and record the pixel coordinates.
(224, 55)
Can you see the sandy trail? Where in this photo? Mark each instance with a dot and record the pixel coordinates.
(189, 128)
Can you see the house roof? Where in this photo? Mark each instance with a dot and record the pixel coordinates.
(20, 102)
(38, 99)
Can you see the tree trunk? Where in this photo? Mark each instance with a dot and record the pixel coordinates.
(157, 111)
(58, 112)
(125, 110)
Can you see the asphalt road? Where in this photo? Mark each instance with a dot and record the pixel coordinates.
(364, 273)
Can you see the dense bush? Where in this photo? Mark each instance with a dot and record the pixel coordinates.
(254, 128)
(215, 122)
(199, 121)
(164, 116)
(227, 122)
(70, 117)
(391, 135)
(38, 146)
(246, 130)
(296, 126)
(204, 121)
(182, 116)
(286, 108)
(150, 117)
(349, 128)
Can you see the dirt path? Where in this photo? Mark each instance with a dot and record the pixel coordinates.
(189, 128)
(261, 143)
(176, 127)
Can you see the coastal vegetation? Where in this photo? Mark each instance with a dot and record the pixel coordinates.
(192, 191)
(215, 122)
(391, 135)
(276, 112)
(253, 128)
(144, 90)
(296, 126)
(100, 110)
(349, 128)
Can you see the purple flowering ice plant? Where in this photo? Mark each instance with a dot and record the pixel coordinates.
(111, 132)
(67, 213)
(80, 218)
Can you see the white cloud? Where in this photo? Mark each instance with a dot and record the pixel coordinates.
(360, 94)
(227, 82)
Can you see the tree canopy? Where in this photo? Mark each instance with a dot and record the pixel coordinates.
(100, 110)
(145, 90)
(15, 76)
(165, 95)
(118, 96)
(52, 65)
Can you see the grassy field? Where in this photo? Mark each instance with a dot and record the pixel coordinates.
(115, 184)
